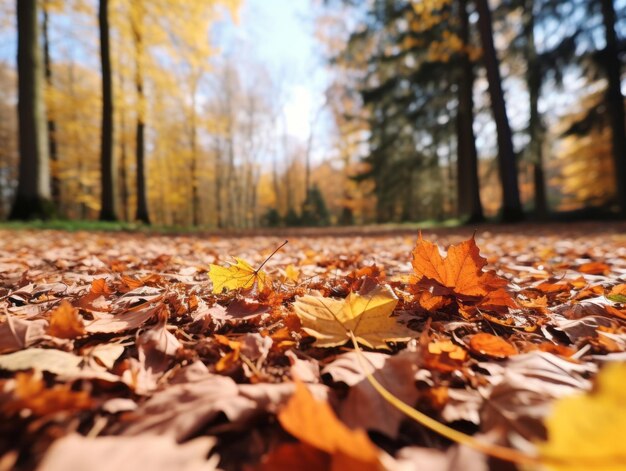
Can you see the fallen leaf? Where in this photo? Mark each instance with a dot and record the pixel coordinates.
(290, 456)
(154, 452)
(292, 273)
(197, 398)
(491, 345)
(237, 276)
(128, 320)
(618, 293)
(585, 430)
(443, 355)
(330, 321)
(461, 270)
(65, 322)
(524, 389)
(595, 268)
(52, 360)
(17, 333)
(63, 364)
(364, 407)
(29, 393)
(314, 423)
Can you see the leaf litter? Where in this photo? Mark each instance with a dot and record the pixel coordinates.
(148, 349)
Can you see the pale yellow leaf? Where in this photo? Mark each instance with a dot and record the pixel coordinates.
(586, 431)
(367, 316)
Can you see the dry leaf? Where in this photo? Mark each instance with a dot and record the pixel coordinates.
(586, 431)
(153, 452)
(300, 456)
(314, 423)
(29, 393)
(595, 268)
(17, 333)
(368, 316)
(65, 322)
(364, 407)
(52, 360)
(237, 276)
(461, 270)
(491, 345)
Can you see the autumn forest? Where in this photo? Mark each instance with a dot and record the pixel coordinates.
(432, 110)
(316, 235)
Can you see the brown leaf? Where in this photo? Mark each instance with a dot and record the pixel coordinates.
(364, 407)
(525, 387)
(153, 452)
(129, 320)
(17, 333)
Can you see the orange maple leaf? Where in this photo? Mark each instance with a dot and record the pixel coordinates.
(461, 272)
(315, 424)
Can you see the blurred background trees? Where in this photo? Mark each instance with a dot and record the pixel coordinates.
(434, 109)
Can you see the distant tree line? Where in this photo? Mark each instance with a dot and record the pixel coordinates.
(429, 76)
(441, 108)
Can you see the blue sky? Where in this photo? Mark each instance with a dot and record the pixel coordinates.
(280, 35)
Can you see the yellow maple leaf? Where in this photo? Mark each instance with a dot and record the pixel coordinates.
(292, 273)
(239, 275)
(367, 316)
(586, 431)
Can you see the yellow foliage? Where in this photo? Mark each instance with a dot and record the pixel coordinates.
(586, 431)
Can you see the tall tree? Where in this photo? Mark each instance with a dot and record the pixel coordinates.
(535, 125)
(107, 164)
(511, 204)
(469, 204)
(55, 181)
(33, 191)
(615, 100)
(140, 150)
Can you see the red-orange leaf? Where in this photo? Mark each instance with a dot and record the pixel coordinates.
(314, 423)
(30, 393)
(491, 345)
(461, 270)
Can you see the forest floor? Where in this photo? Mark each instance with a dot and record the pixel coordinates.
(127, 350)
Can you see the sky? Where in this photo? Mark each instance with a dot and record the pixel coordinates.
(280, 35)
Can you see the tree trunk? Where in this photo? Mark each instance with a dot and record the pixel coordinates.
(55, 182)
(33, 190)
(193, 142)
(123, 163)
(469, 205)
(615, 101)
(511, 205)
(107, 164)
(142, 201)
(533, 78)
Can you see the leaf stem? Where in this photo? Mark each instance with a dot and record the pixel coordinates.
(270, 256)
(497, 451)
